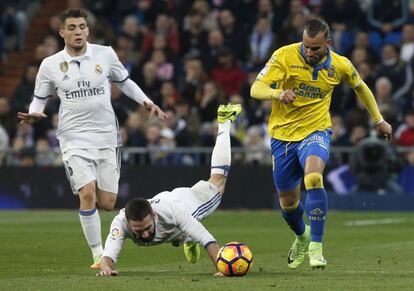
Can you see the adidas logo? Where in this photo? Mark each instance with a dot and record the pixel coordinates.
(317, 211)
(66, 77)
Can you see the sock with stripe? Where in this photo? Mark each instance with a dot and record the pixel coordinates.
(91, 225)
(294, 218)
(316, 210)
(221, 156)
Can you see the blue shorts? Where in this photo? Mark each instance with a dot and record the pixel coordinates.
(289, 157)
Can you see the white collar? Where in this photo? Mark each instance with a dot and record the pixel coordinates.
(68, 58)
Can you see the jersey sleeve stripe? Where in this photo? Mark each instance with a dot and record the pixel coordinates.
(209, 243)
(127, 77)
(42, 98)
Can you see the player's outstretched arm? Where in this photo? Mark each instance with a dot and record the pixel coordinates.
(133, 91)
(35, 111)
(107, 268)
(213, 249)
(364, 93)
(260, 90)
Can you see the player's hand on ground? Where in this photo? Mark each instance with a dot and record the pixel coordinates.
(30, 117)
(155, 110)
(287, 96)
(107, 272)
(385, 129)
(218, 274)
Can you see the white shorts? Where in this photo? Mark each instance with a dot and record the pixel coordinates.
(83, 166)
(204, 200)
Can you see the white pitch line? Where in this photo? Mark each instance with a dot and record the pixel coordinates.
(375, 221)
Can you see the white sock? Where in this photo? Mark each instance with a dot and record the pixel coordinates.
(91, 225)
(221, 156)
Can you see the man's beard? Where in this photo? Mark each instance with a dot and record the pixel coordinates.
(314, 61)
(148, 239)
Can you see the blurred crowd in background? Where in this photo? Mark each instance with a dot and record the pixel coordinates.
(189, 56)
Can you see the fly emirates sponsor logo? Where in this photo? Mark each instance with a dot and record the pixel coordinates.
(84, 90)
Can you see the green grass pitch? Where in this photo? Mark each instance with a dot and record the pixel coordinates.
(45, 250)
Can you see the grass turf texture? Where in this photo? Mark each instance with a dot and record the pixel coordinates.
(45, 250)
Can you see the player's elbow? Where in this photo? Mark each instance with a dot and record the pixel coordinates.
(255, 90)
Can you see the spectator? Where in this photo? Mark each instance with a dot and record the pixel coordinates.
(22, 95)
(342, 16)
(44, 155)
(362, 42)
(399, 73)
(54, 26)
(257, 151)
(227, 73)
(130, 27)
(406, 137)
(194, 76)
(209, 21)
(133, 128)
(407, 43)
(148, 80)
(4, 143)
(385, 101)
(232, 34)
(215, 43)
(169, 95)
(166, 26)
(178, 125)
(165, 69)
(194, 38)
(293, 29)
(51, 132)
(210, 95)
(166, 155)
(387, 16)
(262, 43)
(7, 117)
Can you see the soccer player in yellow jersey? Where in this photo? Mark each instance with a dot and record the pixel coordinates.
(299, 79)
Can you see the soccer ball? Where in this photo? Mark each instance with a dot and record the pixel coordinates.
(234, 259)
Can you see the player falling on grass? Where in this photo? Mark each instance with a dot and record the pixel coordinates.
(88, 132)
(303, 76)
(175, 216)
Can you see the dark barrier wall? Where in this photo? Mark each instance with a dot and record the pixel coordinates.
(48, 187)
(247, 187)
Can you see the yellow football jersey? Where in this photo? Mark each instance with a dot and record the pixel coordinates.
(313, 86)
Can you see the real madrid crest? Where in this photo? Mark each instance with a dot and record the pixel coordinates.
(98, 69)
(64, 67)
(331, 71)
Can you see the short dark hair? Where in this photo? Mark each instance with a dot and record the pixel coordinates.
(137, 209)
(316, 25)
(73, 13)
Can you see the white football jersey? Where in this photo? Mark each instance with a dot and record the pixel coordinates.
(172, 222)
(86, 116)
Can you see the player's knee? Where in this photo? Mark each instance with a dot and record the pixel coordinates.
(108, 203)
(313, 181)
(289, 204)
(87, 196)
(219, 181)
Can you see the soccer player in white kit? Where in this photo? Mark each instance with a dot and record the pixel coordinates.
(175, 216)
(88, 133)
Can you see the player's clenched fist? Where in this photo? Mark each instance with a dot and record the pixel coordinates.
(287, 96)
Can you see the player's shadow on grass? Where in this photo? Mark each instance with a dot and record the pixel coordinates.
(149, 275)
